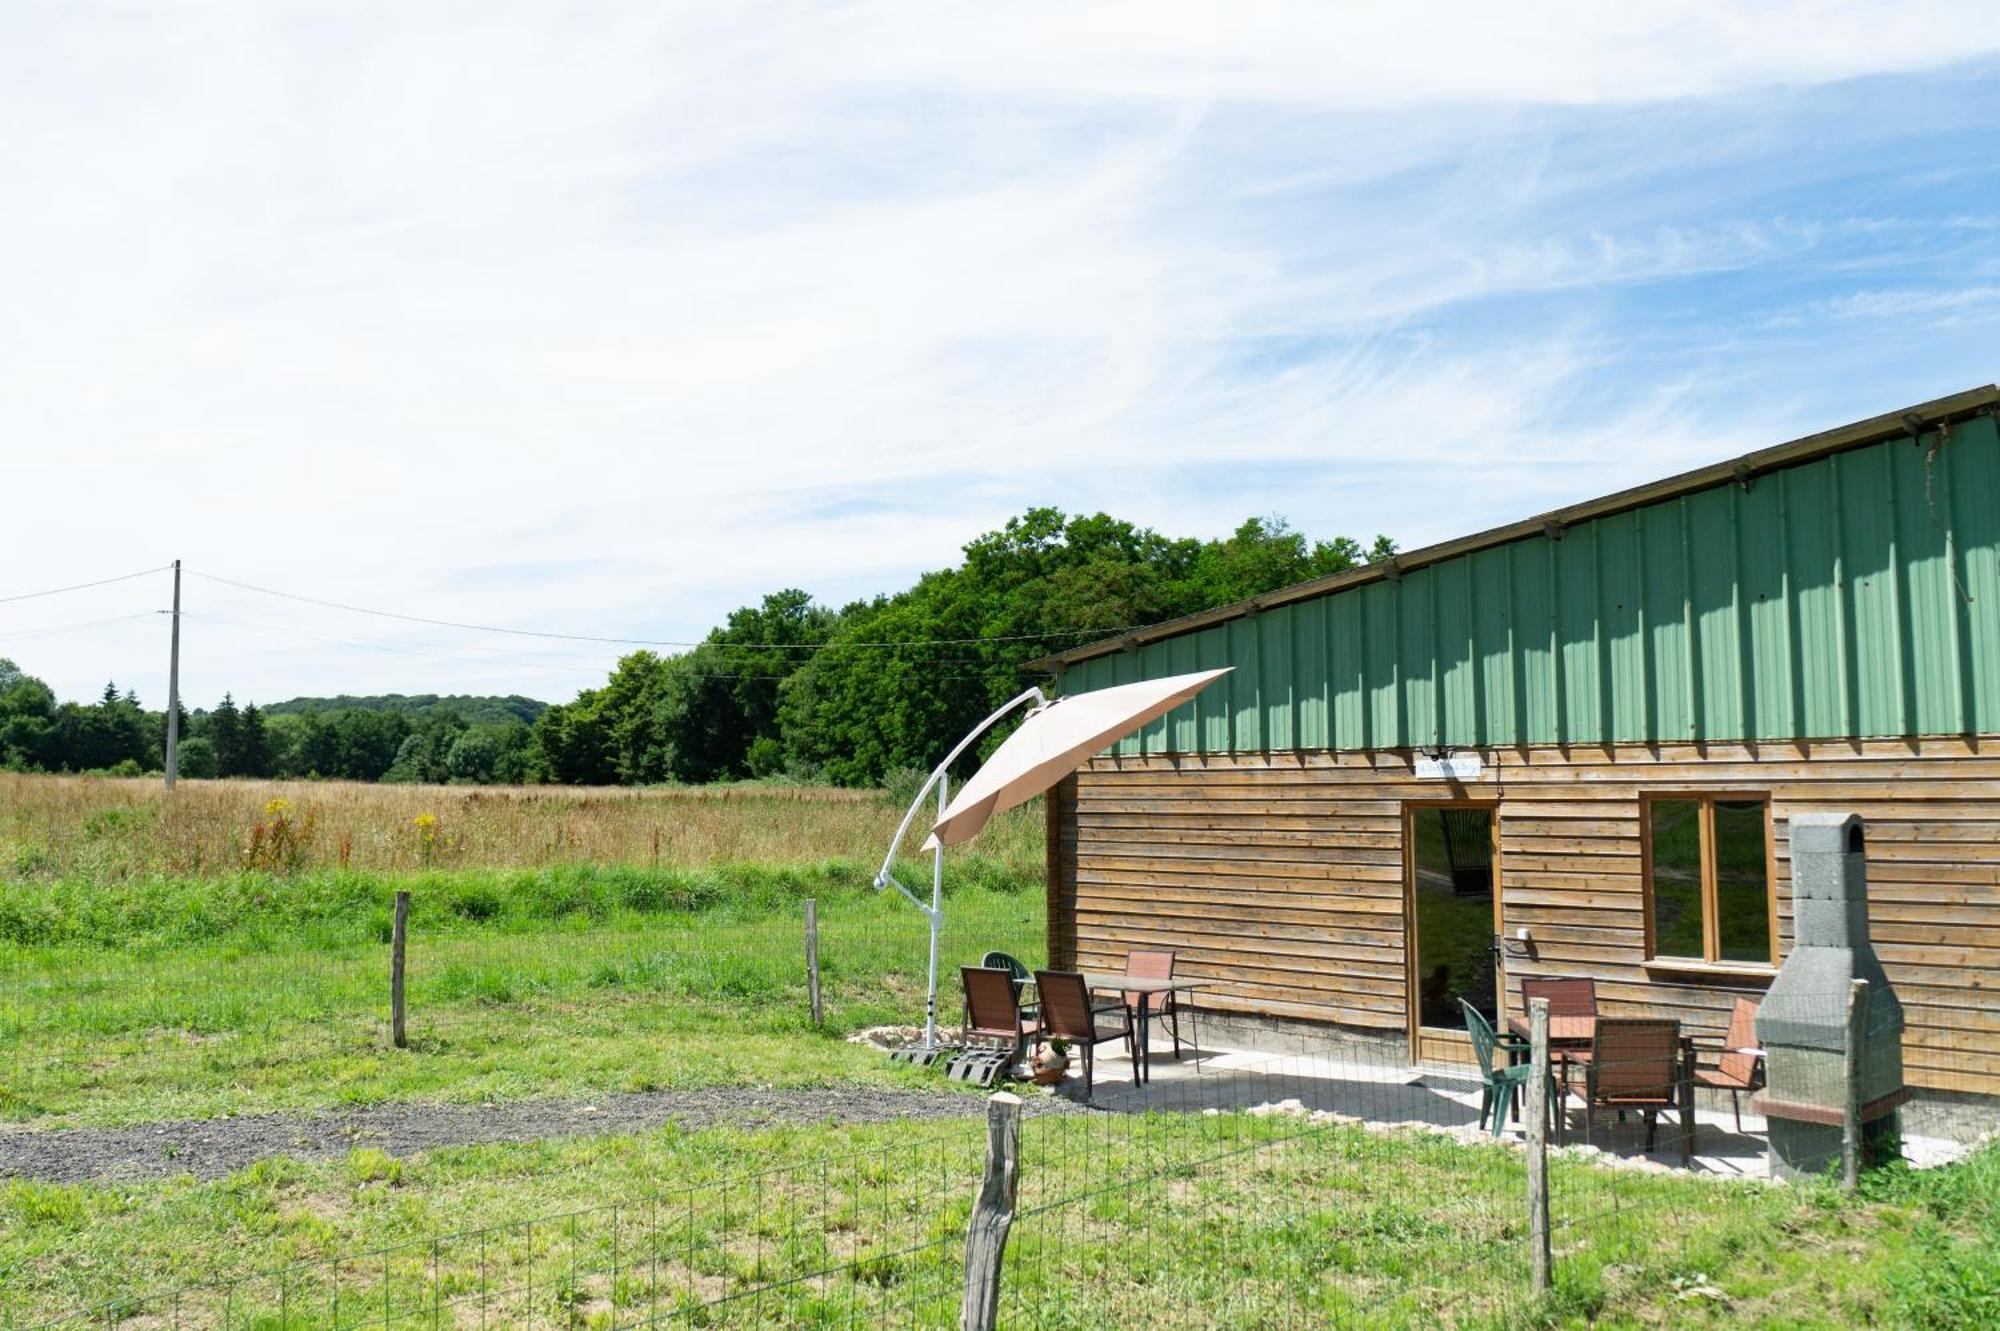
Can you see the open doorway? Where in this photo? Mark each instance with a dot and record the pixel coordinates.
(1452, 918)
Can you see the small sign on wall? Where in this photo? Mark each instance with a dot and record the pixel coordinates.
(1451, 767)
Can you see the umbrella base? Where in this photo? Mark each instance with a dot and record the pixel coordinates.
(918, 1056)
(981, 1067)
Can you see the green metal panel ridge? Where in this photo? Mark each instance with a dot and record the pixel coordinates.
(1852, 595)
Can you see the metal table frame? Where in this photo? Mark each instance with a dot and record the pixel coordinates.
(1111, 982)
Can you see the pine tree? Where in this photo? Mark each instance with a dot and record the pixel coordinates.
(253, 746)
(224, 726)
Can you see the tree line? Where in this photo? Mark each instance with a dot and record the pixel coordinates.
(793, 688)
(787, 688)
(371, 739)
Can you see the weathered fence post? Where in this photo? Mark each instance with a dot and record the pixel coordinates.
(992, 1214)
(398, 936)
(1537, 1119)
(812, 959)
(1850, 1100)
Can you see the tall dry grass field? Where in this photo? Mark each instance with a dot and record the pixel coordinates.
(108, 829)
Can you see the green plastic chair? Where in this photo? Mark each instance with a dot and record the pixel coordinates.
(1001, 961)
(1498, 1089)
(1020, 973)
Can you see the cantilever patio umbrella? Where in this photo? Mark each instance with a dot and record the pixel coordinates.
(1056, 738)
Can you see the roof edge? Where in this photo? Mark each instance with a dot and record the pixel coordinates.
(1908, 420)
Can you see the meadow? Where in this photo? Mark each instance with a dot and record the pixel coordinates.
(112, 829)
(227, 954)
(160, 960)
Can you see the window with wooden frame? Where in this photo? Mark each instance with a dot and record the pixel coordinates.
(1708, 879)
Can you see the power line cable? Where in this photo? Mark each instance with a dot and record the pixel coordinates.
(423, 651)
(13, 636)
(494, 652)
(415, 651)
(81, 586)
(651, 642)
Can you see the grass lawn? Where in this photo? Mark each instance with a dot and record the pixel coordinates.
(135, 988)
(1173, 1220)
(565, 988)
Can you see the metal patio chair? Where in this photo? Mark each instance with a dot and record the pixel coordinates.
(1741, 1065)
(1635, 1064)
(1067, 1015)
(1569, 996)
(993, 1009)
(1156, 966)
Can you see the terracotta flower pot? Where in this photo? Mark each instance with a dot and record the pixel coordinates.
(1050, 1067)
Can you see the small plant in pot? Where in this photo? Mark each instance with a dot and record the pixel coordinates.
(1052, 1062)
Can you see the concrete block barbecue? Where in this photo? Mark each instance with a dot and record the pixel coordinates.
(1812, 1083)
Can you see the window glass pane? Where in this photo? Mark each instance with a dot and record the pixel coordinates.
(1676, 826)
(1742, 886)
(1454, 870)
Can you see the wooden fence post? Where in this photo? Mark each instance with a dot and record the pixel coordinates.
(812, 960)
(397, 938)
(992, 1214)
(1537, 1118)
(1850, 1111)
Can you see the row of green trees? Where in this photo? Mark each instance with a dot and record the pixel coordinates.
(792, 687)
(37, 733)
(784, 688)
(357, 742)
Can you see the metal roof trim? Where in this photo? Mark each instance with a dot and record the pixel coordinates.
(1859, 434)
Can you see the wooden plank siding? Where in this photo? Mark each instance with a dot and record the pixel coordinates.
(1279, 876)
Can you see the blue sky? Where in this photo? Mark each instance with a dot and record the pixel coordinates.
(610, 321)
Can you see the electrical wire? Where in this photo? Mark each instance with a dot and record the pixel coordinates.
(13, 636)
(651, 642)
(496, 652)
(415, 652)
(80, 586)
(422, 651)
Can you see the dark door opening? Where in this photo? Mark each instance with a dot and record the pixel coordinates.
(1453, 924)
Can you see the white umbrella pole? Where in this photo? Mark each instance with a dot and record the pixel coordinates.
(885, 877)
(937, 916)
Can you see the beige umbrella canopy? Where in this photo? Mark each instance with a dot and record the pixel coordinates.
(1055, 740)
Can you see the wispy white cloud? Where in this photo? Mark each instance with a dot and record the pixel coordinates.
(1973, 303)
(608, 319)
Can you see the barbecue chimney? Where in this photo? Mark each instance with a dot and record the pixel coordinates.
(1813, 1081)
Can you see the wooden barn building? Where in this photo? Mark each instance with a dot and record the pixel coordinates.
(1570, 746)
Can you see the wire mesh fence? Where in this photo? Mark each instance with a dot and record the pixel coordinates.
(865, 1238)
(1328, 1186)
(1647, 1114)
(1334, 1183)
(239, 1023)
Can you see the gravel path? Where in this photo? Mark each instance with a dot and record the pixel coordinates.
(208, 1148)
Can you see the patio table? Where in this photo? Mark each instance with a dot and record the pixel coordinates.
(1112, 982)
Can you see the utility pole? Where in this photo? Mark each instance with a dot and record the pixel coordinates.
(174, 688)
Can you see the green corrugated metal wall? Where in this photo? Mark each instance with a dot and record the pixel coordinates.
(1857, 595)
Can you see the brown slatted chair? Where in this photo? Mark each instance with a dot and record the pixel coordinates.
(1155, 966)
(1067, 1015)
(1569, 996)
(1741, 1065)
(1634, 1063)
(993, 1008)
